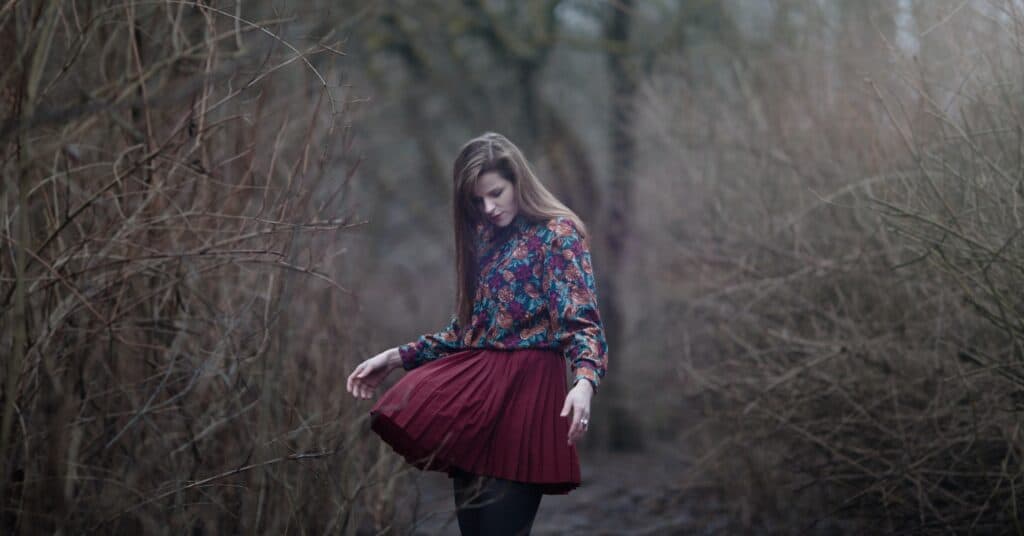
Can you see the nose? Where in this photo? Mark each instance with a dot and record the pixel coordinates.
(489, 207)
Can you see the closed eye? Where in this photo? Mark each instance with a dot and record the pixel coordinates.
(493, 194)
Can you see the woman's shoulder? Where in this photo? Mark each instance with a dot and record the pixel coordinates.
(562, 227)
(559, 231)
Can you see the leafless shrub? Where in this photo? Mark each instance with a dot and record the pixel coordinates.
(848, 252)
(175, 190)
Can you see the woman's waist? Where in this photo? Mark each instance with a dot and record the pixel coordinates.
(484, 345)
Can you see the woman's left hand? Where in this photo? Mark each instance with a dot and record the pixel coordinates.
(577, 405)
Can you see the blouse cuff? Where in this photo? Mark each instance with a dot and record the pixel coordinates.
(589, 374)
(409, 354)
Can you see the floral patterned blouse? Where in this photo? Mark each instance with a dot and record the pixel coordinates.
(536, 290)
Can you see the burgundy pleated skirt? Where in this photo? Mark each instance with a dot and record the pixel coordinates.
(487, 412)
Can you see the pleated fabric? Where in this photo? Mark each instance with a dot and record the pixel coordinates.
(488, 412)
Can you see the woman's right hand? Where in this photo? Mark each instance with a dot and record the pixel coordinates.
(370, 373)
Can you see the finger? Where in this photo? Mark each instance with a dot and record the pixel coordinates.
(365, 383)
(566, 406)
(357, 382)
(359, 387)
(575, 428)
(354, 378)
(350, 385)
(581, 428)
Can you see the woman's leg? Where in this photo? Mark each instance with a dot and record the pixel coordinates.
(511, 509)
(467, 492)
(494, 506)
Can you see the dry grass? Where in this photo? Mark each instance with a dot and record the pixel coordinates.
(844, 287)
(174, 335)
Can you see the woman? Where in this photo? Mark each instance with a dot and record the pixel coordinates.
(481, 396)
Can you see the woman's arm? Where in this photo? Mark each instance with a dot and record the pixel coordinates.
(572, 294)
(431, 346)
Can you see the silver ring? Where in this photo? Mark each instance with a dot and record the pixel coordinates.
(584, 422)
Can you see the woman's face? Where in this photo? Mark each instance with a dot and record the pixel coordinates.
(495, 197)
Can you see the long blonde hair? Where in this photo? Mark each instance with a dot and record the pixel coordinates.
(486, 153)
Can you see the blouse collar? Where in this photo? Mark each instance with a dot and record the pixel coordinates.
(489, 232)
(519, 223)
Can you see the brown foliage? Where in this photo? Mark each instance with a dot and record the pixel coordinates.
(845, 280)
(175, 191)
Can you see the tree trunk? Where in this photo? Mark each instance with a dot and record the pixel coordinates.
(621, 433)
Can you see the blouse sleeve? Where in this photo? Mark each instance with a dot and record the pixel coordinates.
(572, 302)
(431, 346)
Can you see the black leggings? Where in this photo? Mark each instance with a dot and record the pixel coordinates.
(486, 505)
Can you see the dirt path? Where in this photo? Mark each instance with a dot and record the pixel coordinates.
(627, 494)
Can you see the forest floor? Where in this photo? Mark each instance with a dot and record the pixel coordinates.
(621, 493)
